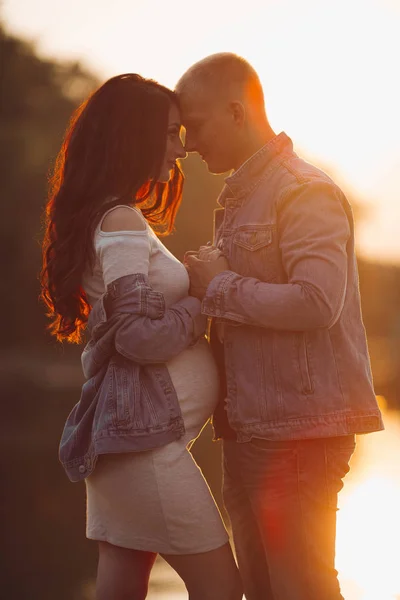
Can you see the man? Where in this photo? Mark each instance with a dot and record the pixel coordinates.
(281, 286)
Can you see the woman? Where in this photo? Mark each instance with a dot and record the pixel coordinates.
(115, 181)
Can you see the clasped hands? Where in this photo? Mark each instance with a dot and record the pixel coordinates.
(202, 266)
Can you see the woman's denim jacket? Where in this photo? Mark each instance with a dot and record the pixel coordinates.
(128, 402)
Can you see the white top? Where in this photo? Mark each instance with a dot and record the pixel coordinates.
(120, 253)
(158, 500)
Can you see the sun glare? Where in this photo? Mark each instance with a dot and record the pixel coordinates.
(328, 69)
(368, 535)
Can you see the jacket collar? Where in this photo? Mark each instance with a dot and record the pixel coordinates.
(246, 178)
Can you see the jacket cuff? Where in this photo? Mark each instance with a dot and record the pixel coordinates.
(214, 302)
(132, 294)
(193, 307)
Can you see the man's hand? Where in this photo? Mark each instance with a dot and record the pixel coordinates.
(204, 253)
(209, 253)
(201, 272)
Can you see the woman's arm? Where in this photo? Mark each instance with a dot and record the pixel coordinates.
(145, 333)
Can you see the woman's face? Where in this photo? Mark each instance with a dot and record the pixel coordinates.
(174, 149)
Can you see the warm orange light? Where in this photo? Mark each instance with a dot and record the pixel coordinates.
(368, 536)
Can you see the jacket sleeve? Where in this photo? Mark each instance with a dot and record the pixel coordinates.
(146, 331)
(313, 233)
(148, 340)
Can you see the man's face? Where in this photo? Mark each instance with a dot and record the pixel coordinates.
(210, 131)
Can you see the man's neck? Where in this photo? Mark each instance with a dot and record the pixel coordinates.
(255, 141)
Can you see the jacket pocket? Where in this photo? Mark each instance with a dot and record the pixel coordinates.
(253, 239)
(303, 354)
(122, 403)
(253, 252)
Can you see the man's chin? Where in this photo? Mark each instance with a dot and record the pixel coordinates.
(216, 169)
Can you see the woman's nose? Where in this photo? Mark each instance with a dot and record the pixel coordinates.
(189, 143)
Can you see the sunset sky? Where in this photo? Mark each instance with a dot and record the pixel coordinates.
(330, 70)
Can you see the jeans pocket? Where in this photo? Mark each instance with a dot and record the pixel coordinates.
(271, 459)
(272, 444)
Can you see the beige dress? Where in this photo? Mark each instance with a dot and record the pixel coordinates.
(157, 500)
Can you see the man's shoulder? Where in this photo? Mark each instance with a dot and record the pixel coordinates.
(296, 170)
(293, 174)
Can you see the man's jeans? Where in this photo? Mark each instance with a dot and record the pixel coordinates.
(282, 501)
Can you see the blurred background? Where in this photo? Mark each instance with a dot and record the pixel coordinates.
(330, 72)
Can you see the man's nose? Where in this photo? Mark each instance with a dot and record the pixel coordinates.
(180, 150)
(189, 144)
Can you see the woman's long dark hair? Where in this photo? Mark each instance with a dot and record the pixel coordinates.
(112, 154)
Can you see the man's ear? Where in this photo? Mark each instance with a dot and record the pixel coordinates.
(238, 112)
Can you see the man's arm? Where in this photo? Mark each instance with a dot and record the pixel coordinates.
(314, 230)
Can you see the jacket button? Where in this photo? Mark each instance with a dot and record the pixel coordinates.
(82, 468)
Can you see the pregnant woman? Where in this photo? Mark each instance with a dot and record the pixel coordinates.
(116, 182)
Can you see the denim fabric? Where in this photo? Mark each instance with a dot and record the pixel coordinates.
(281, 497)
(296, 358)
(128, 402)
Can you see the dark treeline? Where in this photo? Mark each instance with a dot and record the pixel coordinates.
(45, 554)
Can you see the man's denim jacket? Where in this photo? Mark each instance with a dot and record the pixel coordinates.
(128, 402)
(295, 351)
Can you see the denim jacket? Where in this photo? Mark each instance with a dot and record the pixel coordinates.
(295, 351)
(128, 402)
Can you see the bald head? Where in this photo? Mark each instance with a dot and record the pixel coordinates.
(224, 76)
(222, 108)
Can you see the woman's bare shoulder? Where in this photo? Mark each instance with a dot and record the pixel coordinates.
(123, 218)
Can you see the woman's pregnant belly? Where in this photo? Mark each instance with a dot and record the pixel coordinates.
(195, 378)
